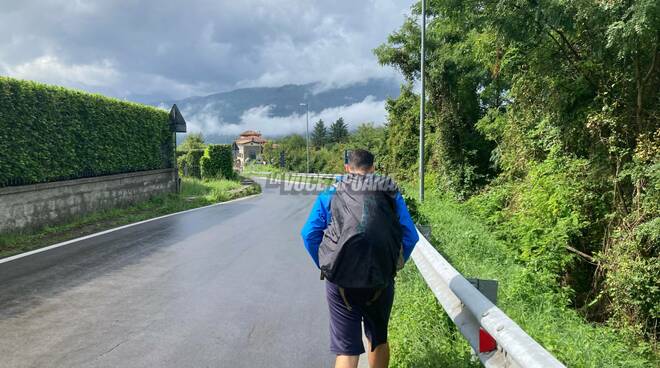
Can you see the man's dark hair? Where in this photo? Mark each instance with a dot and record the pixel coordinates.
(361, 159)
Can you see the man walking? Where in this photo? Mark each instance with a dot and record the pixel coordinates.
(359, 233)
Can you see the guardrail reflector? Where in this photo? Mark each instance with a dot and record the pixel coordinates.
(486, 342)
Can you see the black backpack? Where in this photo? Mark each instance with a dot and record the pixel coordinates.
(362, 246)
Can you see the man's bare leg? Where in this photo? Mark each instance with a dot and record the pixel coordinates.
(347, 361)
(380, 357)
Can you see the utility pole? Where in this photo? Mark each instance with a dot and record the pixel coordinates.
(307, 134)
(422, 97)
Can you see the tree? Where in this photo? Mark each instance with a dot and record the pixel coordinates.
(319, 134)
(459, 92)
(217, 162)
(189, 163)
(293, 141)
(370, 137)
(338, 131)
(294, 149)
(402, 140)
(192, 141)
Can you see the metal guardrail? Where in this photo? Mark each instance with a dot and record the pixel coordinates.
(469, 310)
(314, 175)
(310, 175)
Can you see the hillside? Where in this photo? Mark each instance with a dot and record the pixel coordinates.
(216, 110)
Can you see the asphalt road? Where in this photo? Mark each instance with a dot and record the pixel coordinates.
(225, 286)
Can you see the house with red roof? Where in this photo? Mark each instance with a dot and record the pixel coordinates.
(247, 147)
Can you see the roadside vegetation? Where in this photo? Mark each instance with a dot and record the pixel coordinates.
(194, 193)
(423, 336)
(543, 119)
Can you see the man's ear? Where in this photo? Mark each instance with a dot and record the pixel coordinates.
(347, 168)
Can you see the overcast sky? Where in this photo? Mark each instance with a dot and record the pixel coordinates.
(151, 50)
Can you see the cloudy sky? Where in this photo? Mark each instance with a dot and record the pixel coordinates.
(151, 50)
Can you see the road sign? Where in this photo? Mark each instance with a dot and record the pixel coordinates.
(177, 122)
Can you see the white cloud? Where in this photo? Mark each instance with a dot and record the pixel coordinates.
(204, 120)
(258, 118)
(338, 52)
(102, 77)
(50, 69)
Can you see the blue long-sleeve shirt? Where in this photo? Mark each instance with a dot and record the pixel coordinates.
(319, 218)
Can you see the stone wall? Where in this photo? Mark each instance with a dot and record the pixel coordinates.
(31, 206)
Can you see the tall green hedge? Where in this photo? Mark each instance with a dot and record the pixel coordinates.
(50, 133)
(217, 162)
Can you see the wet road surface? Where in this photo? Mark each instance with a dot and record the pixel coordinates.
(225, 286)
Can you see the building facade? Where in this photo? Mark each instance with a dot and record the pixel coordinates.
(247, 147)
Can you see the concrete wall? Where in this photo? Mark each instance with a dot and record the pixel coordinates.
(36, 205)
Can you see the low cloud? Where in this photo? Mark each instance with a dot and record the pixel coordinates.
(259, 118)
(204, 120)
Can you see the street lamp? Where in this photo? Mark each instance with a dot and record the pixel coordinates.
(421, 107)
(307, 134)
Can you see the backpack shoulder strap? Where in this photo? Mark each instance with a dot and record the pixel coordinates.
(342, 292)
(376, 296)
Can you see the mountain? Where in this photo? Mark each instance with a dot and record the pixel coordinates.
(228, 108)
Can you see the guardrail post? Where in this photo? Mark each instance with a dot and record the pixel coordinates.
(489, 289)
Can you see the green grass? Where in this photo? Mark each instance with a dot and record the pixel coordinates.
(252, 168)
(194, 193)
(209, 191)
(422, 335)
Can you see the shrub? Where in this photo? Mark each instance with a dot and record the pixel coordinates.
(51, 133)
(631, 261)
(188, 163)
(632, 281)
(422, 336)
(547, 212)
(217, 162)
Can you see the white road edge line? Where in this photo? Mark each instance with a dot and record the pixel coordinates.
(21, 255)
